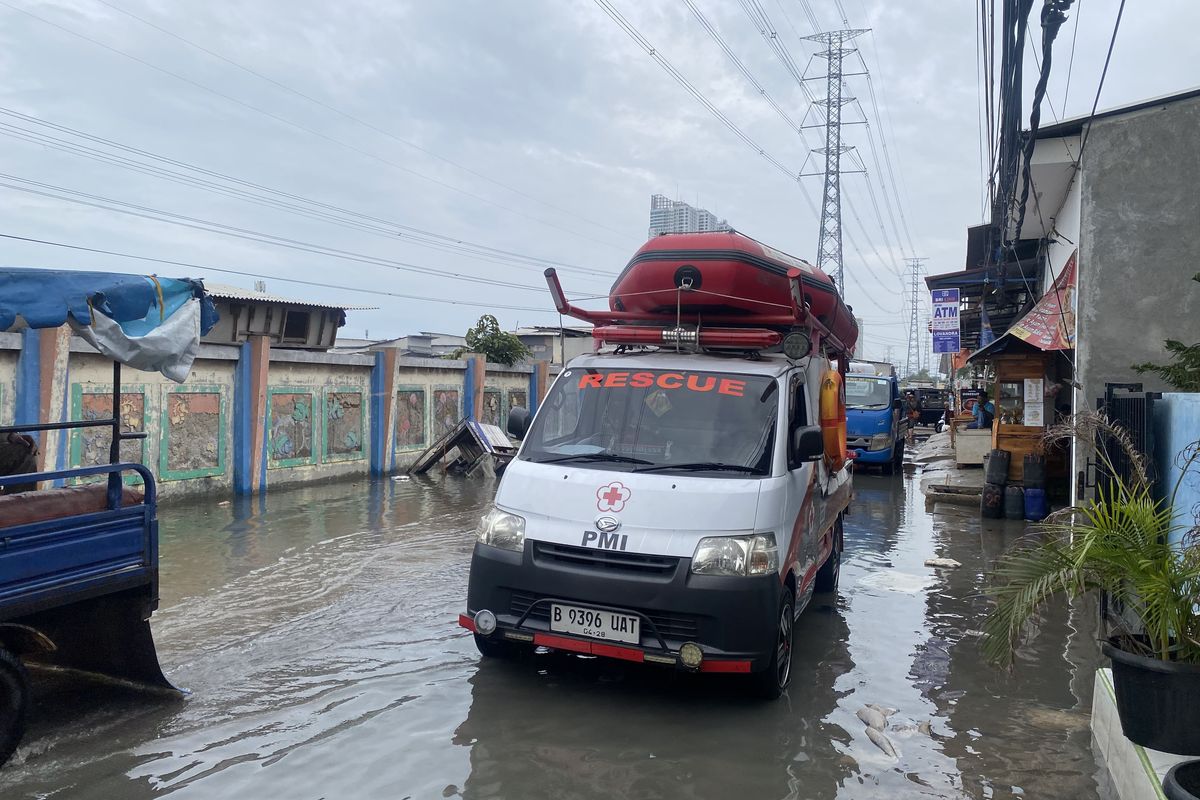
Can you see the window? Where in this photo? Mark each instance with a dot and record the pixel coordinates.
(722, 423)
(295, 326)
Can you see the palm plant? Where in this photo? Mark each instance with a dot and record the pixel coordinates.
(1119, 544)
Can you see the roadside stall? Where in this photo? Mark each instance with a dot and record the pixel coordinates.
(1032, 368)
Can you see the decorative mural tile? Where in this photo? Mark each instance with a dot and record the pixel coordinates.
(193, 433)
(90, 446)
(518, 397)
(447, 411)
(344, 425)
(410, 419)
(492, 410)
(292, 427)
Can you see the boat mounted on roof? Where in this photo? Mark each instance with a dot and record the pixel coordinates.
(717, 291)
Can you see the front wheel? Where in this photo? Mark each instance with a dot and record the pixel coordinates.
(831, 570)
(14, 703)
(773, 681)
(496, 647)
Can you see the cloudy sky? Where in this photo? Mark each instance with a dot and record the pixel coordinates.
(420, 152)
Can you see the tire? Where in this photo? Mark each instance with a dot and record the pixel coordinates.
(773, 681)
(14, 703)
(896, 465)
(831, 570)
(491, 647)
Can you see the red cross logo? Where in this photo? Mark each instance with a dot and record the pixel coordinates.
(612, 497)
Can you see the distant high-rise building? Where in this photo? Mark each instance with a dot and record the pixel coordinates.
(676, 216)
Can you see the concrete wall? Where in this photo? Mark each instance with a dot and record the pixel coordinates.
(250, 417)
(1176, 434)
(1140, 209)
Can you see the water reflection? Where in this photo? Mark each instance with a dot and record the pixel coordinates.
(563, 726)
(316, 627)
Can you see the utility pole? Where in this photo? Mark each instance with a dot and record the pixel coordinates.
(829, 250)
(913, 364)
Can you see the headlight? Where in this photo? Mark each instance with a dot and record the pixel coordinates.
(736, 555)
(501, 529)
(880, 441)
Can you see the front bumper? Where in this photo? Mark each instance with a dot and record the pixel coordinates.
(874, 456)
(733, 620)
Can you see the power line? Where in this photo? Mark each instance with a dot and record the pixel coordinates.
(243, 273)
(762, 22)
(327, 212)
(194, 223)
(653, 52)
(715, 35)
(1071, 60)
(1103, 74)
(312, 132)
(351, 117)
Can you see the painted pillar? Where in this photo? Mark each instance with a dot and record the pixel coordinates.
(543, 379)
(480, 376)
(383, 383)
(242, 412)
(55, 358)
(259, 363)
(28, 401)
(531, 399)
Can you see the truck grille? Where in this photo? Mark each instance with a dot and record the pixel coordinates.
(605, 560)
(671, 626)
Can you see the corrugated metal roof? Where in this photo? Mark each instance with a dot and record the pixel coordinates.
(226, 292)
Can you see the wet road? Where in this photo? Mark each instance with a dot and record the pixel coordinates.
(317, 632)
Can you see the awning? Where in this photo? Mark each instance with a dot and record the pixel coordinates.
(147, 322)
(1049, 325)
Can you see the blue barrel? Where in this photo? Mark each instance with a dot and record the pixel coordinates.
(1036, 508)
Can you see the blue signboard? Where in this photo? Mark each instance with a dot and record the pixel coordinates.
(946, 338)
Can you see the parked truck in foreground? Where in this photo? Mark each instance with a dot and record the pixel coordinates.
(79, 555)
(679, 496)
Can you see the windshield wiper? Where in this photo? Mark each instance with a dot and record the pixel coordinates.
(615, 457)
(700, 466)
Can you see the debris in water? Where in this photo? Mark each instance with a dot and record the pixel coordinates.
(926, 727)
(972, 632)
(882, 742)
(887, 712)
(948, 563)
(223, 503)
(872, 718)
(400, 478)
(450, 791)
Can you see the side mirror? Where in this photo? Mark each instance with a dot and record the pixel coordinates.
(518, 422)
(898, 404)
(808, 443)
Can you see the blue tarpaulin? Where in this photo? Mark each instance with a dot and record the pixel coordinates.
(44, 298)
(145, 321)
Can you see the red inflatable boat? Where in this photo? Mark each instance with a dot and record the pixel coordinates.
(702, 280)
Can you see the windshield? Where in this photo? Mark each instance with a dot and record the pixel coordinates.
(656, 420)
(867, 392)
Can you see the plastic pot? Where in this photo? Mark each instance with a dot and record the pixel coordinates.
(1158, 701)
(1014, 502)
(1183, 781)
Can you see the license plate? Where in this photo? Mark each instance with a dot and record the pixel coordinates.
(595, 624)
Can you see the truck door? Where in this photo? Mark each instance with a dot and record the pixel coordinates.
(802, 490)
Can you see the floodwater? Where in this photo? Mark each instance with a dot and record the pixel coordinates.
(316, 630)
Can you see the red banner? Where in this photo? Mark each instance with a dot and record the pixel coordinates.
(1050, 325)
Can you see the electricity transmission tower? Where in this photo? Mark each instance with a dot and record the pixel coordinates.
(913, 364)
(829, 251)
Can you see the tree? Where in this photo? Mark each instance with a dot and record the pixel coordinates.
(497, 346)
(1183, 371)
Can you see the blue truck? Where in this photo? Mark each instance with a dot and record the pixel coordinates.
(79, 547)
(875, 422)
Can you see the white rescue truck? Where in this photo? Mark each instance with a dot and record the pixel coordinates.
(679, 499)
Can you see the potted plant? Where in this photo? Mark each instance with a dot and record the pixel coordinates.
(1120, 544)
